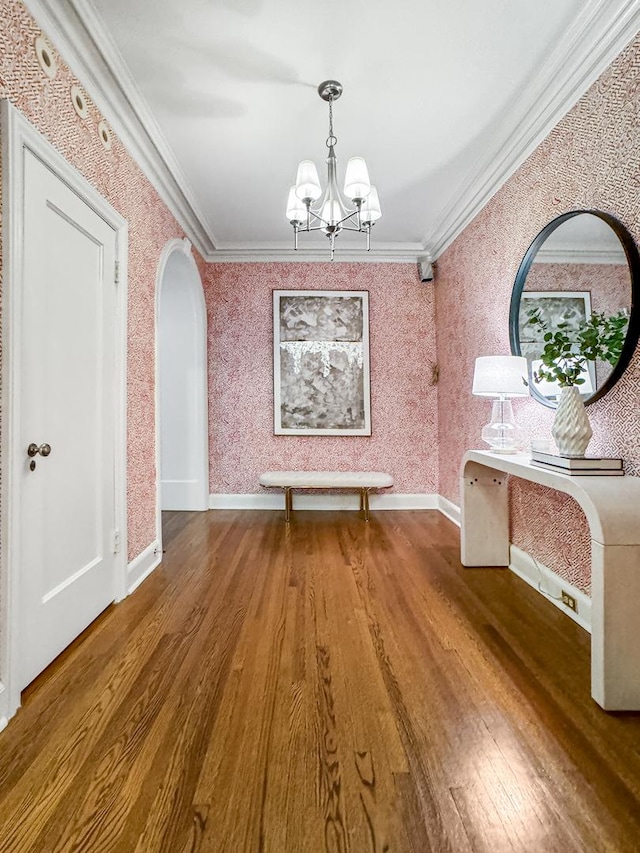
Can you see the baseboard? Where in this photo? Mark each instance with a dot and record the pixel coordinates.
(141, 566)
(4, 719)
(402, 501)
(275, 501)
(183, 495)
(550, 585)
(246, 501)
(449, 509)
(6, 711)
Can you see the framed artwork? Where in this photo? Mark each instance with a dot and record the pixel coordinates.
(556, 306)
(321, 362)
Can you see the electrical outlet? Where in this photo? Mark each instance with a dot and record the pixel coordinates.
(569, 601)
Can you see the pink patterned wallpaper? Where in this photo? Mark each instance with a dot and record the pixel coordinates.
(47, 105)
(608, 284)
(403, 400)
(589, 160)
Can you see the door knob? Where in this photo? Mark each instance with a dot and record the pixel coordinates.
(43, 450)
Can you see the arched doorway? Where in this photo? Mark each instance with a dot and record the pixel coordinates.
(181, 383)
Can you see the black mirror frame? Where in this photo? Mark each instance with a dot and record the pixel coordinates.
(633, 330)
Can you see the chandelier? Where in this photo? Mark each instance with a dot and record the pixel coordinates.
(332, 215)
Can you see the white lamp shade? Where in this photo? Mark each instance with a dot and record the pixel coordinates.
(500, 375)
(356, 181)
(371, 211)
(296, 210)
(307, 181)
(331, 211)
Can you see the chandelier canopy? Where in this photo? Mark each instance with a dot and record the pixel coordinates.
(332, 215)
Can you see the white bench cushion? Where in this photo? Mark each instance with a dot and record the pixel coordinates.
(326, 479)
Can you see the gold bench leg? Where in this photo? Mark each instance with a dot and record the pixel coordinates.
(364, 503)
(288, 505)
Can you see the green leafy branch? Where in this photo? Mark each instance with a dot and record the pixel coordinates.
(568, 350)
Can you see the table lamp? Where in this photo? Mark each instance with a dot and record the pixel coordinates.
(501, 377)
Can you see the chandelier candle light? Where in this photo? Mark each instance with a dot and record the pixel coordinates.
(501, 377)
(332, 215)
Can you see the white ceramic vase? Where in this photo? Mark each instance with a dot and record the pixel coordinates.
(571, 428)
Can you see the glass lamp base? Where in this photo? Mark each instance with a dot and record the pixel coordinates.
(501, 433)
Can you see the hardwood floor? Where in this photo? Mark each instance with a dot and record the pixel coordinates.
(335, 687)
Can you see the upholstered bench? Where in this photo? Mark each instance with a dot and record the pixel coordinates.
(361, 480)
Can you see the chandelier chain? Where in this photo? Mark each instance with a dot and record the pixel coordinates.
(332, 139)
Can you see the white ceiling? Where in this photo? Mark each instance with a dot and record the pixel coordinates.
(582, 239)
(444, 98)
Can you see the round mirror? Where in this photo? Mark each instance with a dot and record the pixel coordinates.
(582, 265)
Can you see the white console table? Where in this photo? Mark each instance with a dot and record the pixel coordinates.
(612, 508)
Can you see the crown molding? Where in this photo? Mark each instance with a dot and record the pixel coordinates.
(86, 46)
(589, 46)
(581, 256)
(408, 253)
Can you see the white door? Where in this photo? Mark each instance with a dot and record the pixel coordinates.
(67, 356)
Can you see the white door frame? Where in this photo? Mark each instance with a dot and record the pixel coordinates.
(19, 135)
(184, 247)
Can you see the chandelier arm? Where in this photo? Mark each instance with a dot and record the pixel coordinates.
(308, 227)
(320, 219)
(347, 217)
(305, 226)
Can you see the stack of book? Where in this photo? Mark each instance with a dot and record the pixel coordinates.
(586, 466)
